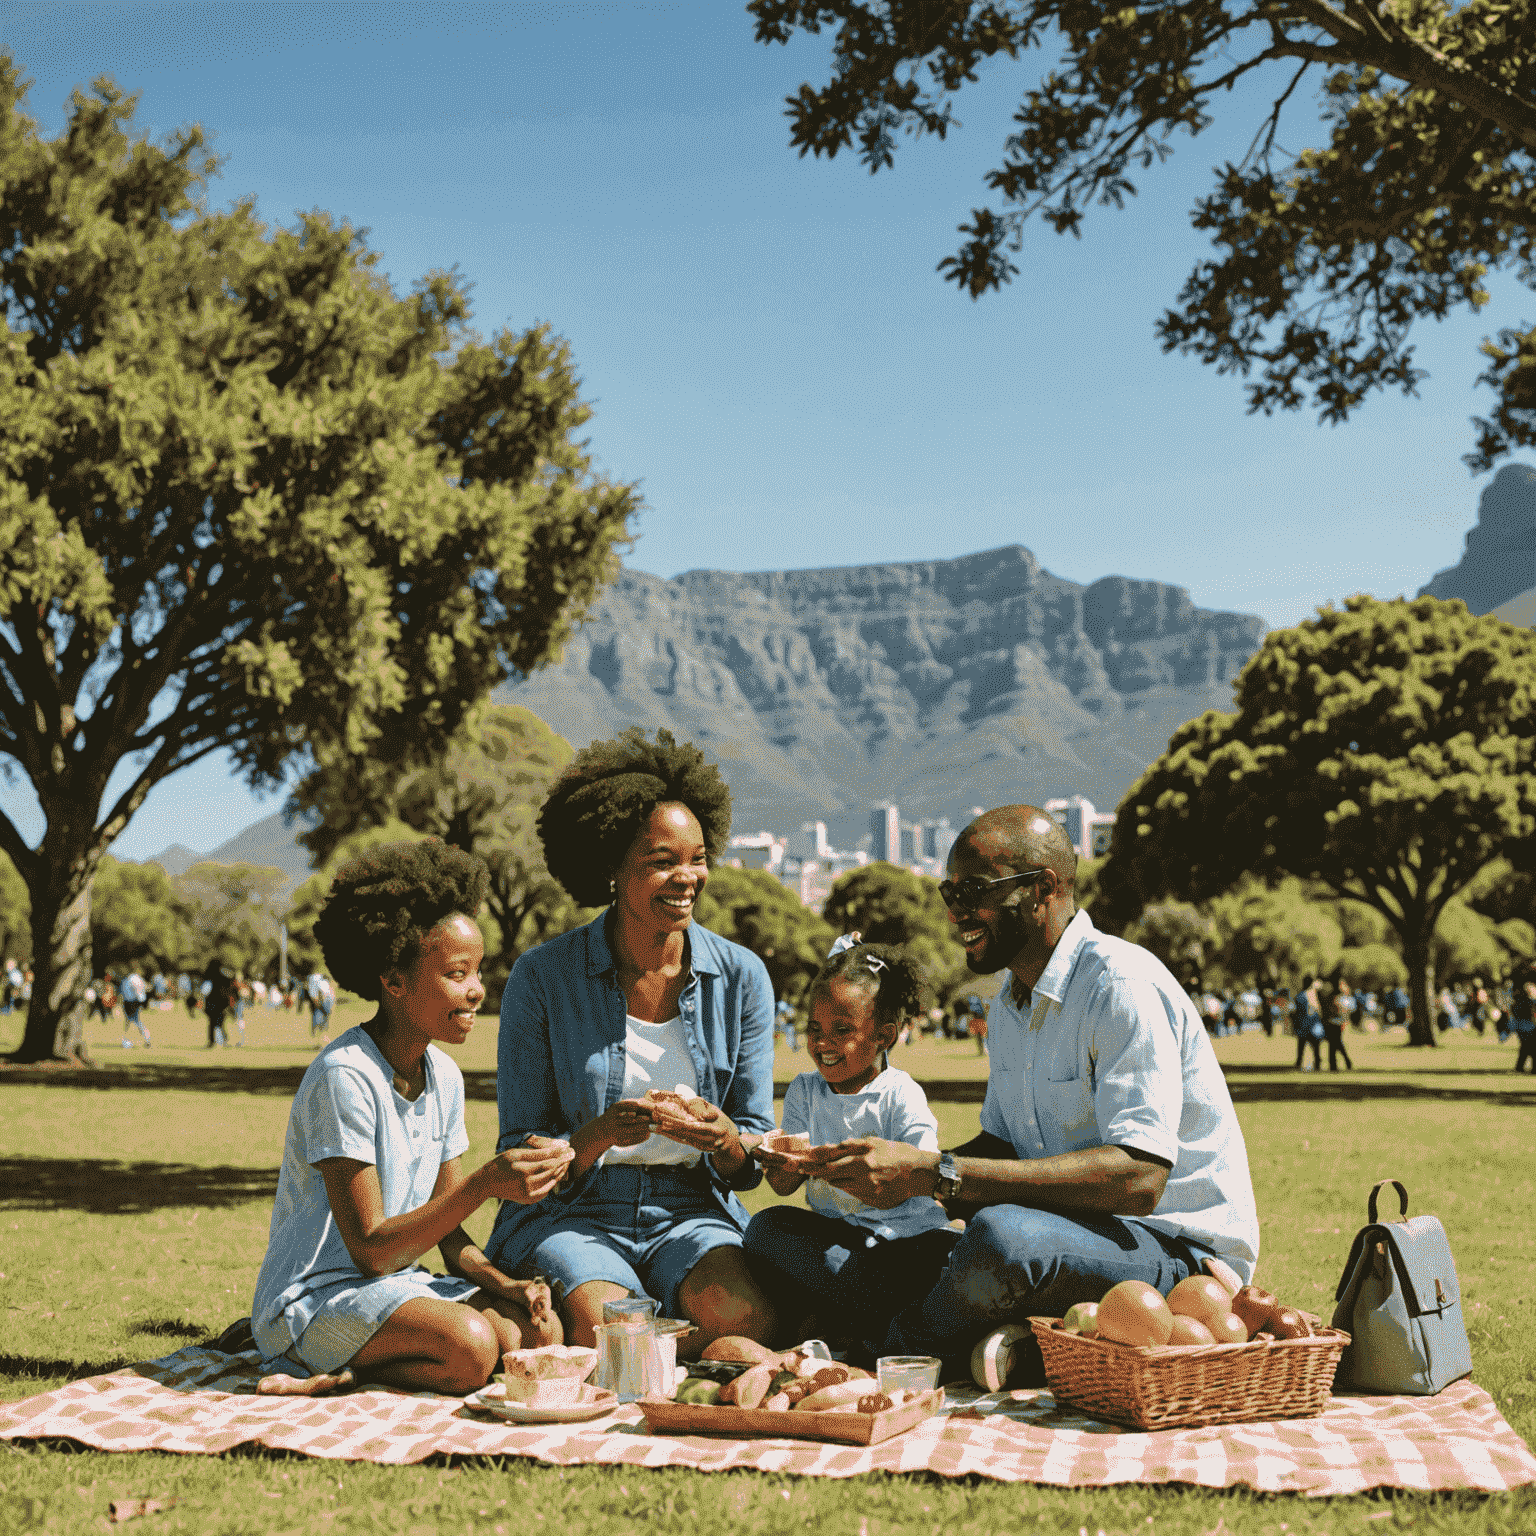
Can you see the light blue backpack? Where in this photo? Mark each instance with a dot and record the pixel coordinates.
(1400, 1303)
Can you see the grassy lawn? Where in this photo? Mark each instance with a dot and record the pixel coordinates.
(134, 1203)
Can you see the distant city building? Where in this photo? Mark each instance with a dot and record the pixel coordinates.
(938, 839)
(810, 842)
(1090, 830)
(755, 850)
(885, 833)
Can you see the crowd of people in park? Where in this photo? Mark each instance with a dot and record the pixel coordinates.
(217, 994)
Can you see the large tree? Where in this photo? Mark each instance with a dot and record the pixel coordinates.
(891, 905)
(137, 917)
(251, 500)
(1421, 179)
(231, 915)
(1386, 750)
(481, 794)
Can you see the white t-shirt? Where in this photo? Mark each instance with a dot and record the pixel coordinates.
(892, 1107)
(347, 1106)
(655, 1056)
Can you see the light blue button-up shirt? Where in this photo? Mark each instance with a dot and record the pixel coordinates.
(560, 1052)
(1109, 1051)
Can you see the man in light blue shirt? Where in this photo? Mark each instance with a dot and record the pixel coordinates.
(1109, 1148)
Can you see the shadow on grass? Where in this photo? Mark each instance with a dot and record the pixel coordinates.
(1248, 1084)
(110, 1187)
(33, 1368)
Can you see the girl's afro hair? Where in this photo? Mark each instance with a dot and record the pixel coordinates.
(898, 982)
(385, 902)
(597, 807)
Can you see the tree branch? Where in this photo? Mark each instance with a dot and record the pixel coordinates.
(1389, 50)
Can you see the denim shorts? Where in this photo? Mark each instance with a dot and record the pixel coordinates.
(351, 1314)
(643, 1227)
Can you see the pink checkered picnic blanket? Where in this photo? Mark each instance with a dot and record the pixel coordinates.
(199, 1401)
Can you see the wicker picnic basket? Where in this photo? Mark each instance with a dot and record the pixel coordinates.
(1162, 1388)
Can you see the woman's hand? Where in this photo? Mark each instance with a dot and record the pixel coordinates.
(526, 1174)
(624, 1124)
(711, 1131)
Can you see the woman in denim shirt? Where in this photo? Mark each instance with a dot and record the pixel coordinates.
(640, 998)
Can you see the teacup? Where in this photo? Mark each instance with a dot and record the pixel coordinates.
(551, 1377)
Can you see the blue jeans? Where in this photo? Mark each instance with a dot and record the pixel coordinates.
(1015, 1262)
(850, 1279)
(641, 1226)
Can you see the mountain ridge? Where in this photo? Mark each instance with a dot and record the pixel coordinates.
(938, 684)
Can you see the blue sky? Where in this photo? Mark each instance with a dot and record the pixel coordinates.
(764, 340)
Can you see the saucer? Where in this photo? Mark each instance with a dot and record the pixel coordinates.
(595, 1402)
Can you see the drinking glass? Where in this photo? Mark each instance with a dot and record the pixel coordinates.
(908, 1373)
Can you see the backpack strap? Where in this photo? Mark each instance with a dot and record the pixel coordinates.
(1376, 1189)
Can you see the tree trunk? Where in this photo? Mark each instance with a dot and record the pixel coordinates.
(1419, 957)
(61, 955)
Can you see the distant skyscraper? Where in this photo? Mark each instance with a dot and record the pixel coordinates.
(885, 833)
(1088, 829)
(938, 839)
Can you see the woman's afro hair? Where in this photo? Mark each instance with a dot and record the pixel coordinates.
(898, 982)
(597, 807)
(384, 903)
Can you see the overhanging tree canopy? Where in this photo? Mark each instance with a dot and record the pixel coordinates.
(1386, 750)
(250, 499)
(1422, 181)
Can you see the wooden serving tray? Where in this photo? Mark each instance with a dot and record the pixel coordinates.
(756, 1424)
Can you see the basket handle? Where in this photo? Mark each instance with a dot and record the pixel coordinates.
(1402, 1198)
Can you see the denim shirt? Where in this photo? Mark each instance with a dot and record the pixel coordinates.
(560, 1052)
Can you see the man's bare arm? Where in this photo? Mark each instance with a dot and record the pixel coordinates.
(1119, 1181)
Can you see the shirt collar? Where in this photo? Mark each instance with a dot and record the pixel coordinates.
(699, 948)
(1058, 970)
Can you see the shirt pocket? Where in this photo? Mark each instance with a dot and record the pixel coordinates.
(1066, 1109)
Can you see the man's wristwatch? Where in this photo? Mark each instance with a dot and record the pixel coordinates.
(949, 1177)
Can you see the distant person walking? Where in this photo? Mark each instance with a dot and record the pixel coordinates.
(218, 993)
(1522, 1018)
(322, 998)
(1338, 1014)
(134, 995)
(1307, 1021)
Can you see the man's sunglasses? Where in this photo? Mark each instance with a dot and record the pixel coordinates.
(968, 894)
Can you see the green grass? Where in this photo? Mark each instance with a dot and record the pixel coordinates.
(134, 1203)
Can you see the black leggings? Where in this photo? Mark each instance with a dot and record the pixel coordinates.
(1334, 1033)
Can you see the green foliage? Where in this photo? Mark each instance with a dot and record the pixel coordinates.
(1180, 934)
(138, 918)
(1422, 181)
(1386, 751)
(15, 913)
(231, 915)
(750, 907)
(250, 499)
(891, 905)
(481, 795)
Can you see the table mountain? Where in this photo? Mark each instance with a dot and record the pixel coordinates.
(1499, 561)
(939, 684)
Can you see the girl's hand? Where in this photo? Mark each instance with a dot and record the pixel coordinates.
(525, 1175)
(532, 1295)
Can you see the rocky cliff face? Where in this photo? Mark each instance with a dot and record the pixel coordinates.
(939, 685)
(1500, 558)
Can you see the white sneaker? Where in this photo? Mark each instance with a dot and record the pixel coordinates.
(993, 1358)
